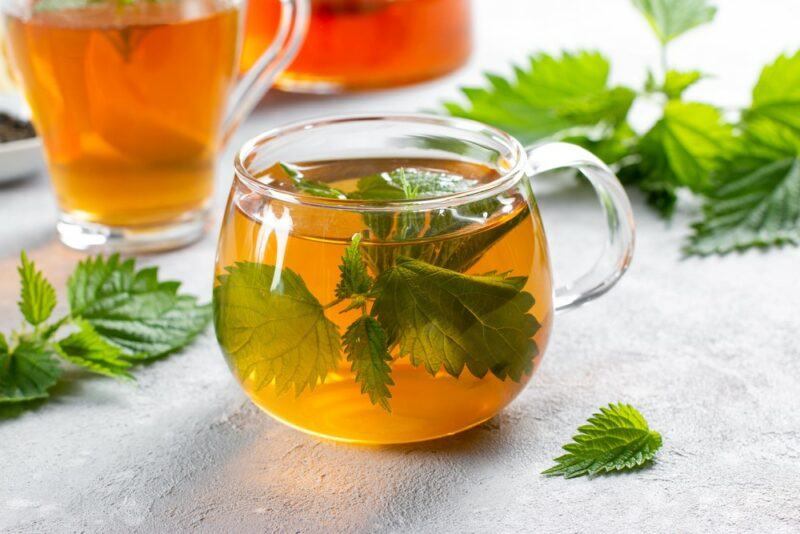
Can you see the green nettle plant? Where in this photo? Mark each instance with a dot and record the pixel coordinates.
(117, 317)
(744, 165)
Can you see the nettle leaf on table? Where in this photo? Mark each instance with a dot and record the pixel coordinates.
(88, 349)
(776, 96)
(278, 333)
(758, 201)
(134, 310)
(549, 95)
(37, 295)
(672, 18)
(445, 319)
(683, 149)
(615, 439)
(27, 371)
(117, 315)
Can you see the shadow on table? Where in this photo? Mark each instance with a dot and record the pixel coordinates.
(71, 385)
(253, 471)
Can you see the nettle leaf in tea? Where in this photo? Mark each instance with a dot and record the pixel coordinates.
(118, 316)
(413, 299)
(445, 319)
(367, 348)
(311, 187)
(275, 326)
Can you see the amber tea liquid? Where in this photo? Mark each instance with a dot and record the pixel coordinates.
(423, 406)
(366, 44)
(129, 103)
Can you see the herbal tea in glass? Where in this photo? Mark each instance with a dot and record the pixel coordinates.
(404, 291)
(387, 279)
(366, 44)
(130, 101)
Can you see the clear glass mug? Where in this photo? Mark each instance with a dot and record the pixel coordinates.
(455, 308)
(133, 101)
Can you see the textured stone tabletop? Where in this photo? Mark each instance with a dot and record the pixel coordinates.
(707, 349)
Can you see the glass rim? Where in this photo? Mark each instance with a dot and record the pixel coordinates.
(505, 179)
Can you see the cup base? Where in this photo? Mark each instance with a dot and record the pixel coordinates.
(94, 237)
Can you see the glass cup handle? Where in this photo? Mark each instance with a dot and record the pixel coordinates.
(258, 79)
(618, 249)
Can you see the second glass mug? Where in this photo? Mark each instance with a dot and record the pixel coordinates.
(458, 286)
(133, 102)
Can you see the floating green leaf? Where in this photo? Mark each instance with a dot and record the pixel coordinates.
(366, 345)
(354, 279)
(446, 319)
(274, 328)
(311, 187)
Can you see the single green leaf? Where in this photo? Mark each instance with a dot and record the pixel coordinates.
(694, 137)
(777, 95)
(405, 183)
(551, 94)
(677, 82)
(757, 202)
(134, 310)
(615, 439)
(410, 183)
(311, 187)
(672, 18)
(275, 333)
(366, 345)
(683, 149)
(38, 298)
(445, 319)
(87, 349)
(28, 371)
(354, 278)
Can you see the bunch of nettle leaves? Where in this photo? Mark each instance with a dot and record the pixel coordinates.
(746, 170)
(118, 316)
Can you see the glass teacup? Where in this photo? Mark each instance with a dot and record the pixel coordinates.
(386, 279)
(133, 100)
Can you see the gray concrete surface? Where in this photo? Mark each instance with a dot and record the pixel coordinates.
(707, 349)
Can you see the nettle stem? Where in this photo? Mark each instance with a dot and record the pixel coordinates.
(332, 304)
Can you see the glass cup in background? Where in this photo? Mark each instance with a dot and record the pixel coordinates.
(366, 44)
(133, 102)
(276, 305)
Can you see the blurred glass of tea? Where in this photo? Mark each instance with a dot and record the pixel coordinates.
(366, 44)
